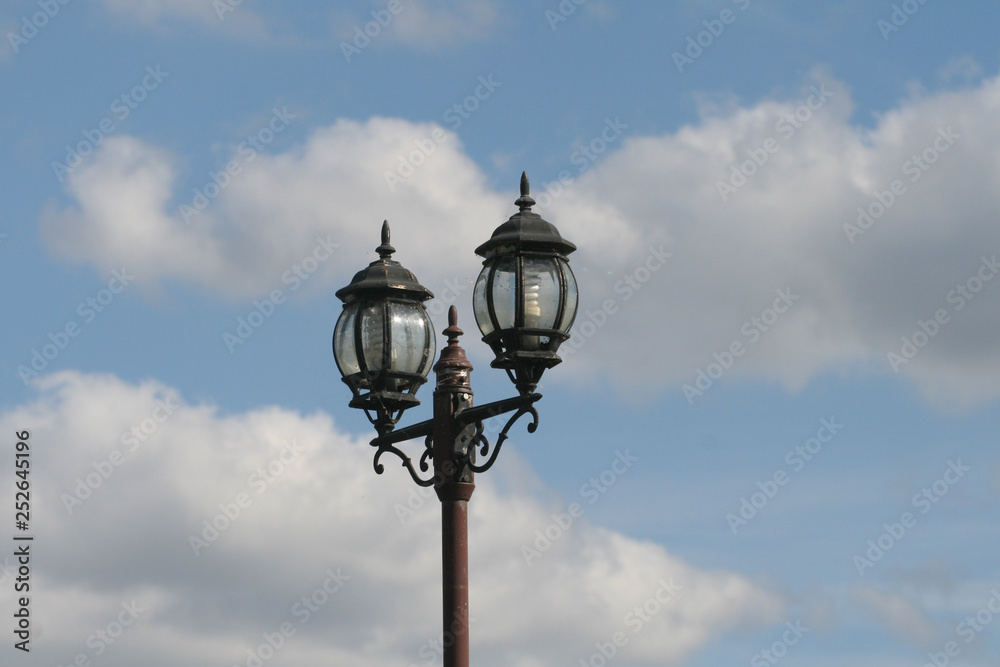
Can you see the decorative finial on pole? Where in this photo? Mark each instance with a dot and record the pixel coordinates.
(453, 366)
(453, 332)
(524, 202)
(385, 250)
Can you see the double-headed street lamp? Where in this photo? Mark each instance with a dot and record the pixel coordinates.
(525, 302)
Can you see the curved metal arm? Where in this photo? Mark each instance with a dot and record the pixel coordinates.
(466, 418)
(407, 463)
(484, 444)
(428, 452)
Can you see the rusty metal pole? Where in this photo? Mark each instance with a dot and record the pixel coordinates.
(454, 484)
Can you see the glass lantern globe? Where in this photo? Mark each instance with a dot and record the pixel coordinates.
(525, 299)
(384, 341)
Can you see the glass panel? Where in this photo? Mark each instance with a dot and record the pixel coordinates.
(479, 302)
(572, 297)
(373, 336)
(541, 292)
(431, 346)
(504, 292)
(343, 341)
(409, 329)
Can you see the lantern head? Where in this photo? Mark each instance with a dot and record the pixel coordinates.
(526, 297)
(384, 341)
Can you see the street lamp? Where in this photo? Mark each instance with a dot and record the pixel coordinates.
(525, 297)
(525, 301)
(384, 340)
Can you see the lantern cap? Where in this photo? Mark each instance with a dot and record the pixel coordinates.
(526, 229)
(386, 276)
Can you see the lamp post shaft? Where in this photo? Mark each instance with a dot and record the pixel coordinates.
(455, 570)
(454, 484)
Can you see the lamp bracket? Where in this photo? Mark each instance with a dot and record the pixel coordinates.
(470, 435)
(484, 443)
(386, 443)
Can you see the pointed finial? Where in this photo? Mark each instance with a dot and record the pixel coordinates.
(385, 250)
(453, 332)
(453, 366)
(524, 202)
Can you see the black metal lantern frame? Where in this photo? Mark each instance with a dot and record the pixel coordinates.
(383, 303)
(523, 350)
(525, 268)
(525, 302)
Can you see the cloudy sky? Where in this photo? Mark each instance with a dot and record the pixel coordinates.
(773, 436)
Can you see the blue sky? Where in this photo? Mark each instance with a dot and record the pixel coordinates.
(787, 232)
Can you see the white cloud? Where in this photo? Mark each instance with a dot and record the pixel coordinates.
(271, 214)
(424, 25)
(783, 229)
(444, 23)
(324, 509)
(7, 26)
(427, 26)
(903, 617)
(229, 15)
(964, 69)
(152, 10)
